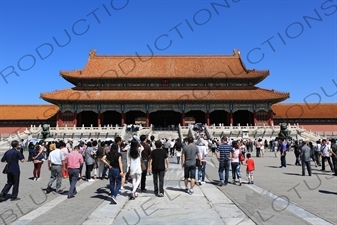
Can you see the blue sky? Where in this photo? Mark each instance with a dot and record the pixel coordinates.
(295, 40)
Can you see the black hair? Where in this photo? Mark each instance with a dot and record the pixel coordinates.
(158, 144)
(142, 137)
(89, 144)
(57, 144)
(62, 144)
(118, 139)
(112, 155)
(190, 140)
(248, 155)
(235, 145)
(31, 145)
(114, 147)
(15, 144)
(134, 153)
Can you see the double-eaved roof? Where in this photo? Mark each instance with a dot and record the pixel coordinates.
(186, 68)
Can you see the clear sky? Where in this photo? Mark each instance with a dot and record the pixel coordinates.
(295, 40)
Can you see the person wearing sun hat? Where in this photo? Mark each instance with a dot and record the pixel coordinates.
(305, 156)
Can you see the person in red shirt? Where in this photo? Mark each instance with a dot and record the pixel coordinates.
(250, 168)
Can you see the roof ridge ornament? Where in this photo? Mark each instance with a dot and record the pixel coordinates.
(236, 52)
(92, 53)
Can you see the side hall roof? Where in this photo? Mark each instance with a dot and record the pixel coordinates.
(27, 112)
(305, 111)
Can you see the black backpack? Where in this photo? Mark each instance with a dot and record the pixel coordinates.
(100, 152)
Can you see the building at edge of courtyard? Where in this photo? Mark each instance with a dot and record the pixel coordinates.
(164, 91)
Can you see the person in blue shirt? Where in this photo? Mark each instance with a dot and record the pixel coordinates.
(223, 156)
(12, 158)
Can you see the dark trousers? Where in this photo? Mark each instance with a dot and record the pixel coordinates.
(144, 173)
(158, 175)
(105, 169)
(329, 161)
(88, 169)
(283, 160)
(335, 165)
(308, 165)
(317, 157)
(13, 179)
(258, 152)
(73, 178)
(172, 151)
(30, 156)
(298, 161)
(224, 166)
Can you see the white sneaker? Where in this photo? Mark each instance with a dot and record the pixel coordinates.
(202, 182)
(122, 188)
(38, 179)
(90, 180)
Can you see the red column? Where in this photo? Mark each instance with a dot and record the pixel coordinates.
(255, 119)
(207, 120)
(231, 117)
(59, 120)
(183, 118)
(98, 118)
(102, 119)
(122, 118)
(75, 119)
(270, 117)
(147, 119)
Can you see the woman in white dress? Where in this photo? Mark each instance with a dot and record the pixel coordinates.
(134, 165)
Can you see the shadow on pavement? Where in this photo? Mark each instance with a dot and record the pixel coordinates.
(327, 192)
(103, 197)
(295, 174)
(175, 189)
(273, 166)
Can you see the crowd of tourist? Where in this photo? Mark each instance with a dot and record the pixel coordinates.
(121, 162)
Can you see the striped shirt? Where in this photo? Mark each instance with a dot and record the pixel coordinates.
(224, 150)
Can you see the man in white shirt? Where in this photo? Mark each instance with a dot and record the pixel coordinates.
(325, 152)
(55, 165)
(69, 145)
(172, 142)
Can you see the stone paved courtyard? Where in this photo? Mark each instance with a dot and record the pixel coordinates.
(279, 196)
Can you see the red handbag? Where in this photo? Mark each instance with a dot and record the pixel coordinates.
(64, 173)
(241, 157)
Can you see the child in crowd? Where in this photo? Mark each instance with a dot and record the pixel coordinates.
(250, 168)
